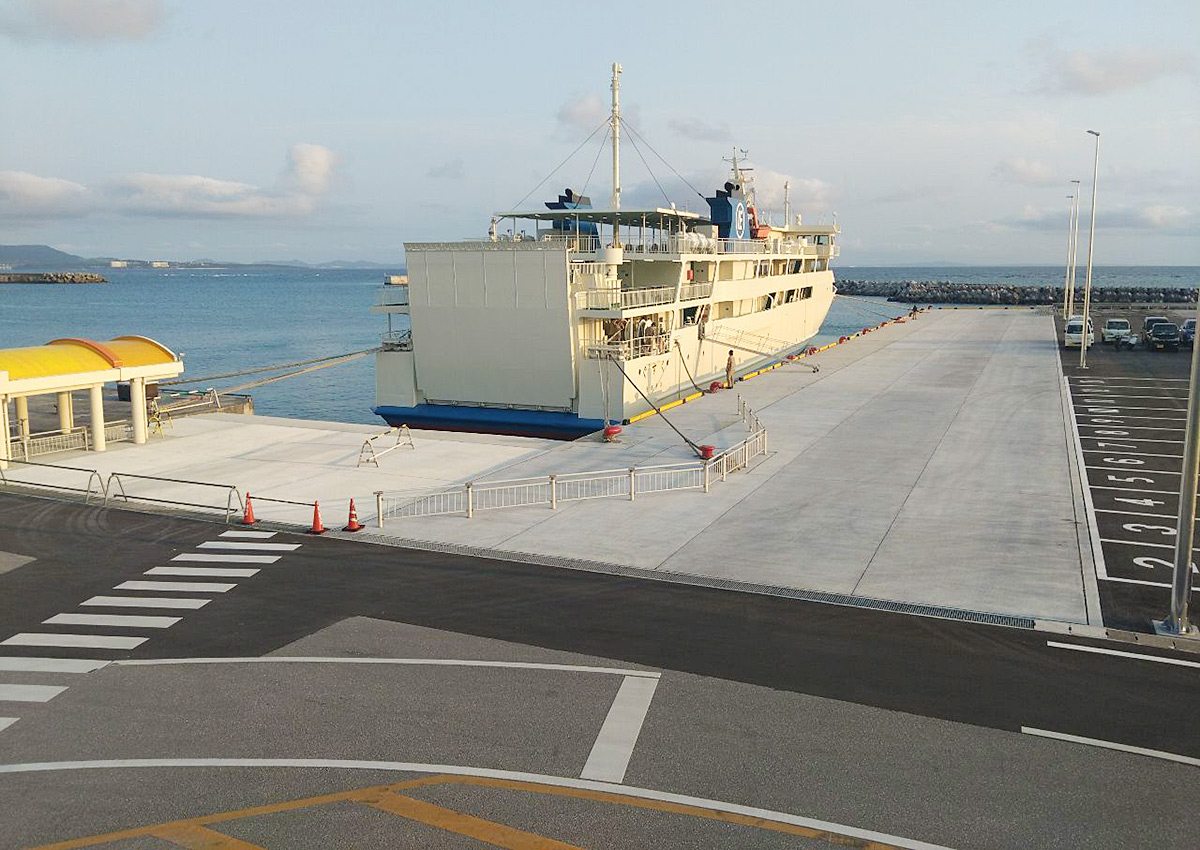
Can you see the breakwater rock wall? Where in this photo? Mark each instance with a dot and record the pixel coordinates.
(51, 277)
(947, 292)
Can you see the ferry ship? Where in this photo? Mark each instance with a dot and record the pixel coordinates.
(567, 319)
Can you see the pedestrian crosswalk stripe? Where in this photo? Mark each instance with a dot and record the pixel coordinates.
(124, 620)
(30, 693)
(226, 559)
(213, 572)
(188, 586)
(144, 602)
(31, 664)
(254, 535)
(85, 641)
(5, 722)
(241, 545)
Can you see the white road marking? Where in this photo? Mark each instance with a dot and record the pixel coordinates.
(1111, 745)
(1132, 427)
(1117, 407)
(430, 662)
(1130, 470)
(1136, 490)
(1091, 590)
(1095, 415)
(1120, 654)
(609, 758)
(83, 641)
(1143, 581)
(123, 620)
(256, 535)
(489, 773)
(30, 693)
(226, 559)
(1104, 438)
(144, 602)
(187, 586)
(1116, 378)
(211, 572)
(1139, 543)
(265, 547)
(30, 664)
(1106, 395)
(5, 722)
(1135, 513)
(1124, 453)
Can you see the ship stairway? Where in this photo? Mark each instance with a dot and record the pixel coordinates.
(752, 343)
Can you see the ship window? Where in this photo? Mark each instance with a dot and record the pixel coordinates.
(805, 292)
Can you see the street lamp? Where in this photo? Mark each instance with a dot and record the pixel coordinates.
(1087, 281)
(1068, 291)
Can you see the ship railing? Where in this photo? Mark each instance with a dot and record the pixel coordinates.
(630, 349)
(695, 291)
(551, 490)
(397, 341)
(392, 295)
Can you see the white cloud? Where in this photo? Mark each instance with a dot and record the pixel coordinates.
(1166, 219)
(31, 196)
(81, 20)
(699, 130)
(1099, 72)
(307, 177)
(582, 113)
(1028, 172)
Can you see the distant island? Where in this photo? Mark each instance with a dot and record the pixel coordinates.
(42, 258)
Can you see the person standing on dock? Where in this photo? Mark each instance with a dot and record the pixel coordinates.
(729, 370)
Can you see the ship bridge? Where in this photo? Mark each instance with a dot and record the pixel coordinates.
(63, 366)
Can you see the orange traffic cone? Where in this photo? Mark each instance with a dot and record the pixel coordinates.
(317, 527)
(248, 517)
(353, 524)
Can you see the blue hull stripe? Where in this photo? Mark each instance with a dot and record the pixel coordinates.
(491, 420)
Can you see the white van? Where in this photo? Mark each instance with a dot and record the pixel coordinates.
(1073, 335)
(1114, 329)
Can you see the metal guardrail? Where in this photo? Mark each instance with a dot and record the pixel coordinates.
(397, 341)
(101, 490)
(392, 295)
(369, 454)
(231, 492)
(695, 291)
(623, 299)
(550, 490)
(80, 437)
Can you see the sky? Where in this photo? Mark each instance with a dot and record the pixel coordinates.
(936, 132)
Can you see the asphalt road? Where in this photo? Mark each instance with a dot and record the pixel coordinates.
(1130, 409)
(921, 729)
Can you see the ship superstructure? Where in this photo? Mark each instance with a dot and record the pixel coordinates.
(565, 319)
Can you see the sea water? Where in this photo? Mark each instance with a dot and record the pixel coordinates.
(227, 320)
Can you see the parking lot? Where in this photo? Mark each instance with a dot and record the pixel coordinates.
(1130, 409)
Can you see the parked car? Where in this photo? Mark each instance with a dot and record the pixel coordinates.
(1114, 329)
(1127, 343)
(1187, 333)
(1073, 333)
(1150, 321)
(1164, 336)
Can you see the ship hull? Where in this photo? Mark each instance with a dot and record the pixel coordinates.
(490, 420)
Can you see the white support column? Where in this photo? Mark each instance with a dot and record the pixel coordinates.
(137, 400)
(66, 414)
(96, 396)
(23, 417)
(4, 448)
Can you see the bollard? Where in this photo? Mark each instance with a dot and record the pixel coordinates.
(470, 502)
(553, 493)
(632, 482)
(379, 507)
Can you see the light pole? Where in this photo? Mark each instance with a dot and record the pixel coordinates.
(1068, 295)
(1176, 622)
(1087, 281)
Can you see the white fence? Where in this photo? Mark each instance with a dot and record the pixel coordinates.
(49, 442)
(550, 490)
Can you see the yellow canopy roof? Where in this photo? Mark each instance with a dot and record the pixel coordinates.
(72, 356)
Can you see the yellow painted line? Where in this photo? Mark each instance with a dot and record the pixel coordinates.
(673, 808)
(672, 404)
(642, 416)
(196, 837)
(489, 832)
(254, 811)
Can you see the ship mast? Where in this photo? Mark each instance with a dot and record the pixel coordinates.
(787, 203)
(615, 121)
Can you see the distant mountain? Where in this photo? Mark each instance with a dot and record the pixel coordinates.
(334, 264)
(38, 257)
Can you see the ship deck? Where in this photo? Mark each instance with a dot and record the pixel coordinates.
(929, 462)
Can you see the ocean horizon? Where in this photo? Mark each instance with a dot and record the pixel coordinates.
(234, 318)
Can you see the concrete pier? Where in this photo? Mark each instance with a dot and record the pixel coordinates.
(927, 462)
